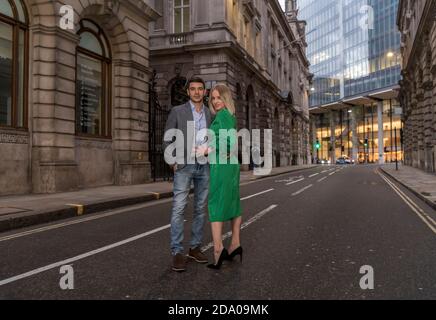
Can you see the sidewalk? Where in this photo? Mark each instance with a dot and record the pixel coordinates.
(27, 210)
(421, 183)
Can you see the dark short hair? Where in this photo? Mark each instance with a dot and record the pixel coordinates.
(196, 80)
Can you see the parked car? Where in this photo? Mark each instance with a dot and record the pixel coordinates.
(341, 160)
(347, 160)
(323, 161)
(344, 160)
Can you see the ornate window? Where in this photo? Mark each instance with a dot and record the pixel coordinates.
(93, 82)
(13, 64)
(182, 16)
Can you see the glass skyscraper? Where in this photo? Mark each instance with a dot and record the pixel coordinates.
(354, 51)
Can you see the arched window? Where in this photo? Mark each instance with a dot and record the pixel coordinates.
(93, 94)
(13, 64)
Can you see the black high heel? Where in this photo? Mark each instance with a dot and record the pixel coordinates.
(223, 256)
(237, 251)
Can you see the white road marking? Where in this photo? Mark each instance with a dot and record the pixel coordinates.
(330, 174)
(243, 226)
(419, 212)
(322, 179)
(105, 214)
(288, 184)
(82, 256)
(257, 194)
(313, 175)
(302, 190)
(281, 181)
(416, 206)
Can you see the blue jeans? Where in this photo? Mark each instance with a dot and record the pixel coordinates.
(199, 174)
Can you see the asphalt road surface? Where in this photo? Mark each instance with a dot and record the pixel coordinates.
(330, 232)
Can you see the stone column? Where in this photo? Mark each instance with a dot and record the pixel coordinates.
(420, 118)
(131, 84)
(381, 142)
(54, 166)
(355, 137)
(413, 127)
(333, 136)
(433, 107)
(427, 111)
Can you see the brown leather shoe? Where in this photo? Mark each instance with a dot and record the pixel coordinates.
(179, 262)
(197, 255)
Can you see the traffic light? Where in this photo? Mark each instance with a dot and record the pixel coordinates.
(366, 142)
(317, 145)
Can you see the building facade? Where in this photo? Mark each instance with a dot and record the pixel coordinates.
(354, 51)
(73, 94)
(253, 47)
(417, 23)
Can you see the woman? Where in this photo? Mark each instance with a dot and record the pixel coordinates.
(224, 201)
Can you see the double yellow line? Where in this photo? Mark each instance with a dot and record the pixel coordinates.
(429, 221)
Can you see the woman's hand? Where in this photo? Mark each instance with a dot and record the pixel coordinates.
(203, 151)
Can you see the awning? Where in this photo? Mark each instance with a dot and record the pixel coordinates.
(327, 107)
(359, 101)
(391, 93)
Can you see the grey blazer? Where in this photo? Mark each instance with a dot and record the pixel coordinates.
(178, 119)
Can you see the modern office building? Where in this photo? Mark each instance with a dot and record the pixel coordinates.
(354, 51)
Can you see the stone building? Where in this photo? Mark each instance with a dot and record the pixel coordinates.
(73, 100)
(252, 46)
(417, 23)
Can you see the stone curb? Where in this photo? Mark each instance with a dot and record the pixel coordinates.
(418, 194)
(23, 220)
(27, 220)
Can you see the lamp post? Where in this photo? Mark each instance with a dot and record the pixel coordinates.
(367, 143)
(390, 118)
(396, 150)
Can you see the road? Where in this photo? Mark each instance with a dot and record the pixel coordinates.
(306, 235)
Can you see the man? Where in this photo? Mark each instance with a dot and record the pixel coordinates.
(191, 170)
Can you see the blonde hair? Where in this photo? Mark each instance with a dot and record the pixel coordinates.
(226, 97)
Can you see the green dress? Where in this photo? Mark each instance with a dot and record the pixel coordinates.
(224, 200)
